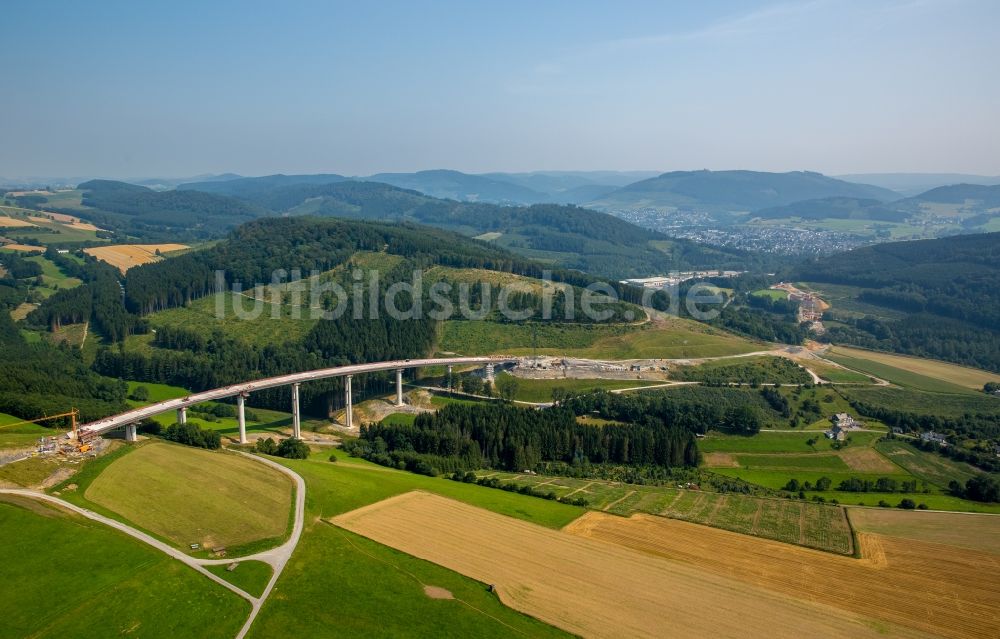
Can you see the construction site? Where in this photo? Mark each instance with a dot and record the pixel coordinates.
(69, 445)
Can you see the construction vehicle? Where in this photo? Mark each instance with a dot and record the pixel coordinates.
(73, 415)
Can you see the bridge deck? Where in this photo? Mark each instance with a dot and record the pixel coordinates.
(138, 414)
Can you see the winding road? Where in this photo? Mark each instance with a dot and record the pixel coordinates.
(277, 557)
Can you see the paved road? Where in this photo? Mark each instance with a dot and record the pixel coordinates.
(276, 557)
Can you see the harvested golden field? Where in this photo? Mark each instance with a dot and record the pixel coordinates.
(589, 587)
(125, 256)
(13, 222)
(23, 248)
(906, 585)
(964, 530)
(960, 375)
(70, 220)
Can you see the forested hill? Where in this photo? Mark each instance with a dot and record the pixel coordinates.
(135, 209)
(949, 286)
(337, 248)
(255, 250)
(565, 236)
(735, 190)
(985, 196)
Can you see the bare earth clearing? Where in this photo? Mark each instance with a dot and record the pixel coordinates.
(927, 587)
(589, 587)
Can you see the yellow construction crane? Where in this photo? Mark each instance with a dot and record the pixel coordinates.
(73, 415)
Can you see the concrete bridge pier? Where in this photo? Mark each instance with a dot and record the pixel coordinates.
(182, 415)
(449, 378)
(241, 417)
(348, 402)
(399, 387)
(130, 432)
(296, 415)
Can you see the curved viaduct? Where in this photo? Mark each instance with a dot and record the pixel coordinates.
(241, 391)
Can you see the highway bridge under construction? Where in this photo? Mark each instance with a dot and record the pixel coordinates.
(129, 420)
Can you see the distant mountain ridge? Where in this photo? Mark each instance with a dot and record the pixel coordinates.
(252, 186)
(455, 185)
(566, 237)
(555, 187)
(734, 190)
(910, 184)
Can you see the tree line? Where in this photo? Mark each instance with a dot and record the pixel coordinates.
(503, 436)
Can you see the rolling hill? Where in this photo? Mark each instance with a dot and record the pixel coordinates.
(560, 236)
(134, 209)
(734, 191)
(977, 195)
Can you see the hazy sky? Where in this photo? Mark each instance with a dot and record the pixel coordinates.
(129, 89)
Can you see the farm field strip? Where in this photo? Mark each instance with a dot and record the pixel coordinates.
(928, 466)
(951, 373)
(586, 586)
(23, 248)
(7, 222)
(971, 531)
(927, 587)
(804, 523)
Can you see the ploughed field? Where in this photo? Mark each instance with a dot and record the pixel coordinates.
(589, 587)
